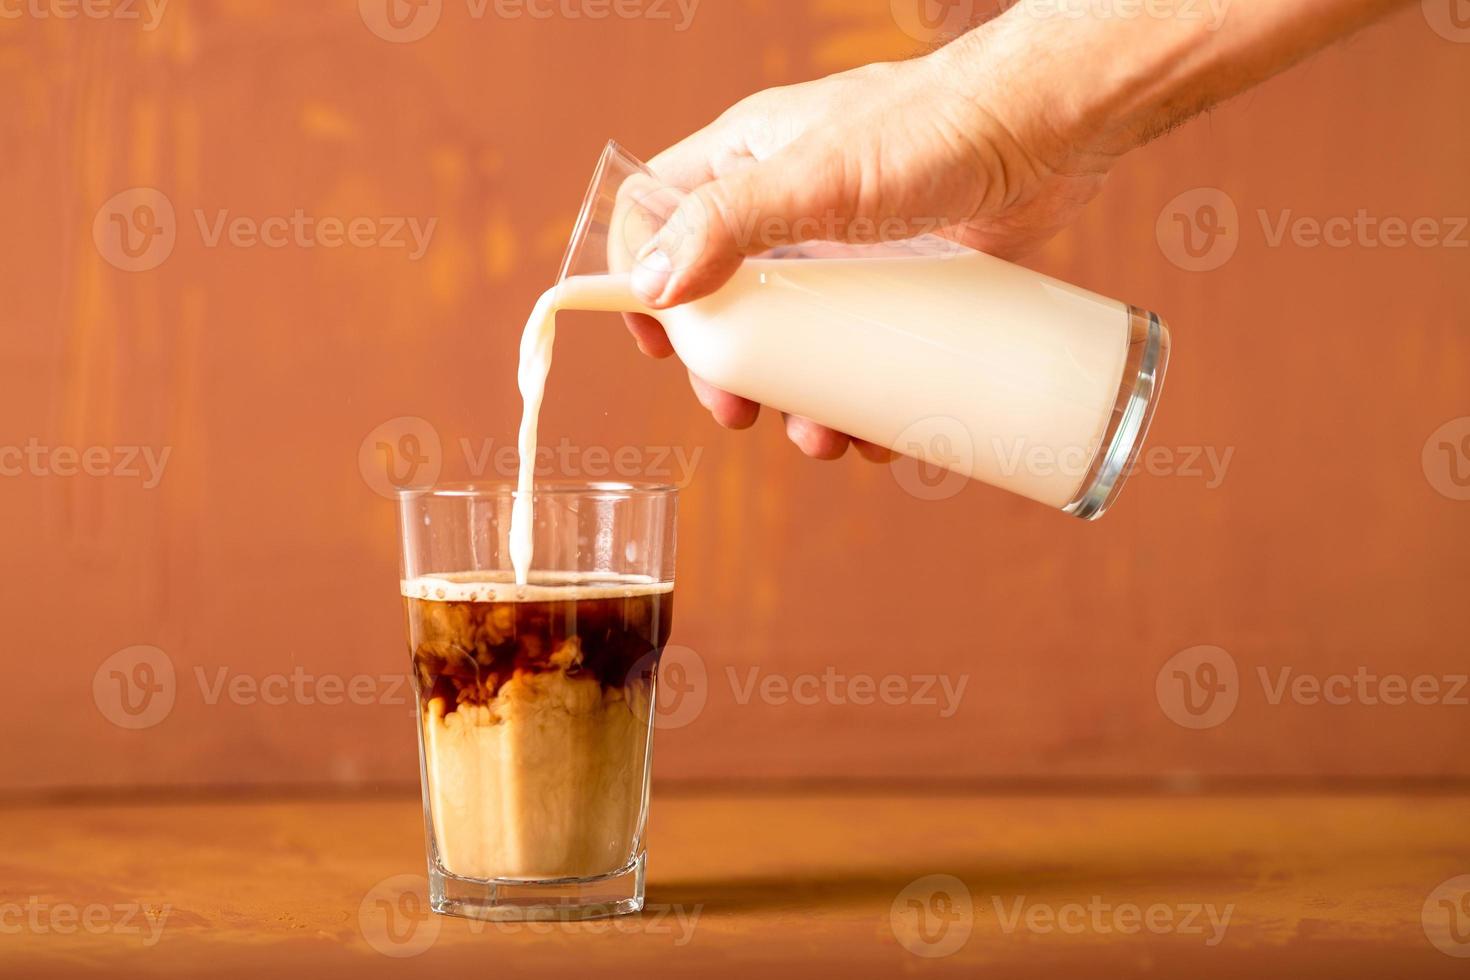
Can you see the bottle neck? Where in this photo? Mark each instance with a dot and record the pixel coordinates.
(612, 292)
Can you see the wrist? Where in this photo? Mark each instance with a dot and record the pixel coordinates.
(1080, 85)
(1108, 83)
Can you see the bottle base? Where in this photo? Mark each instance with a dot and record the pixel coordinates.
(1138, 397)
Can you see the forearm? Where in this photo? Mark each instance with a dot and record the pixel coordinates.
(1114, 77)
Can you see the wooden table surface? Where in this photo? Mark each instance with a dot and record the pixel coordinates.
(766, 884)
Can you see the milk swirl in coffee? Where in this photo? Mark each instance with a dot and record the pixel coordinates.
(536, 706)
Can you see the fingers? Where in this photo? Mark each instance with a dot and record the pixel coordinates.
(731, 411)
(817, 441)
(744, 212)
(649, 335)
(698, 159)
(874, 453)
(820, 442)
(691, 161)
(722, 147)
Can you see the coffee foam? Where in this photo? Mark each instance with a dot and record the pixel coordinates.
(490, 586)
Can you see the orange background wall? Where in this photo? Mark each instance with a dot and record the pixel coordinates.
(1326, 548)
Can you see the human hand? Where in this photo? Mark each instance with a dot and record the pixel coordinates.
(996, 140)
(884, 152)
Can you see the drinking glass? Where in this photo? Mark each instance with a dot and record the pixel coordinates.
(535, 702)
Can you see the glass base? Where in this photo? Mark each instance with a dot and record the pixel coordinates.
(553, 900)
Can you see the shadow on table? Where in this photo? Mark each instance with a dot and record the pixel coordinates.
(844, 889)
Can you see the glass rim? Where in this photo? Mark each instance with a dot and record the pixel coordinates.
(550, 488)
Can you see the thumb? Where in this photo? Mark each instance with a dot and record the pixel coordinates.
(779, 201)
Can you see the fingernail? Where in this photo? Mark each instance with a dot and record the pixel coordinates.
(652, 273)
